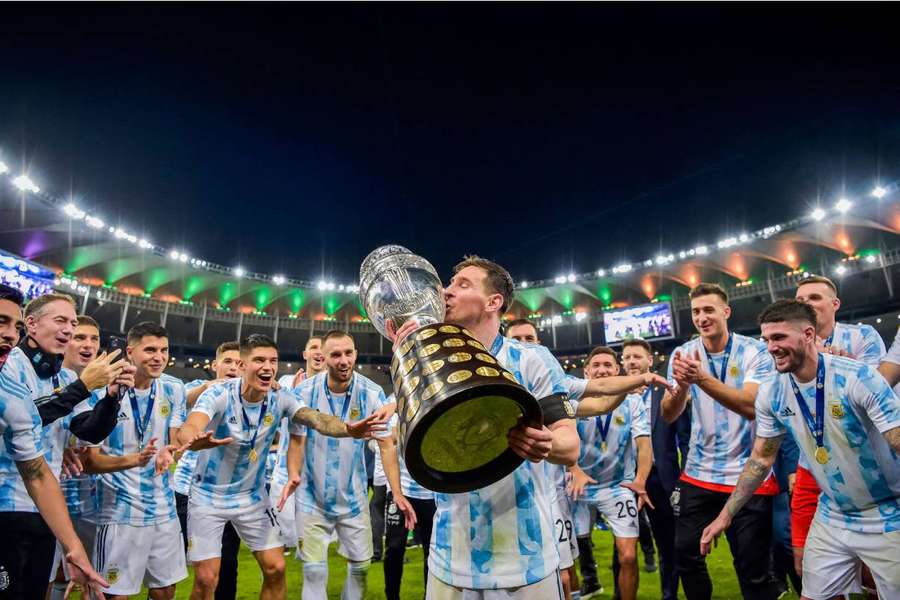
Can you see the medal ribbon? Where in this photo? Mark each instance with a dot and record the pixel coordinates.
(712, 367)
(817, 426)
(141, 425)
(347, 398)
(604, 427)
(246, 419)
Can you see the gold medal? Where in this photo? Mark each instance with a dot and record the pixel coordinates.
(603, 446)
(253, 455)
(821, 455)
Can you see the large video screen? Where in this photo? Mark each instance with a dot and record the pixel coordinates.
(29, 278)
(647, 321)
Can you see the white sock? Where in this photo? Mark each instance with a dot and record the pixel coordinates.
(315, 579)
(58, 590)
(355, 584)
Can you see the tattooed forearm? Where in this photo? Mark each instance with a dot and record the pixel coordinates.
(771, 445)
(325, 424)
(31, 469)
(893, 438)
(754, 474)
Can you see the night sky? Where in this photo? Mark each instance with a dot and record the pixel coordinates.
(294, 138)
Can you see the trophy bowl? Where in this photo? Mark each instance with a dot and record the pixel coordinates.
(455, 403)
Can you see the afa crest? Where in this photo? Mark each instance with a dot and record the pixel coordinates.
(734, 371)
(112, 575)
(354, 413)
(620, 420)
(164, 409)
(268, 419)
(837, 411)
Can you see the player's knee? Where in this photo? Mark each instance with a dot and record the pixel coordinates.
(163, 593)
(205, 577)
(359, 569)
(315, 572)
(273, 568)
(628, 556)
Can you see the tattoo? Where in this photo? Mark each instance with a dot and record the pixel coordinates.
(31, 469)
(893, 438)
(771, 446)
(754, 474)
(325, 424)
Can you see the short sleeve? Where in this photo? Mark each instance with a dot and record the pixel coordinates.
(871, 392)
(640, 420)
(872, 350)
(20, 422)
(193, 384)
(575, 386)
(760, 368)
(767, 426)
(212, 401)
(290, 402)
(543, 375)
(179, 404)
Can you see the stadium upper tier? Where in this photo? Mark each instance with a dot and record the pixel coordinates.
(856, 239)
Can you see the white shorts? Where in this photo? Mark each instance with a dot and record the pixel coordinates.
(256, 525)
(833, 557)
(564, 531)
(86, 530)
(583, 515)
(353, 533)
(548, 588)
(285, 516)
(619, 507)
(128, 556)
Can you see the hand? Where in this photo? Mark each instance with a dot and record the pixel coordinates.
(365, 427)
(288, 490)
(72, 465)
(688, 369)
(102, 370)
(143, 457)
(384, 412)
(298, 377)
(398, 335)
(580, 480)
(408, 512)
(712, 532)
(798, 560)
(531, 443)
(164, 458)
(640, 491)
(124, 380)
(205, 441)
(83, 573)
(654, 379)
(792, 479)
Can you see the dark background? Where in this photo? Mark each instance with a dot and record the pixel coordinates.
(294, 138)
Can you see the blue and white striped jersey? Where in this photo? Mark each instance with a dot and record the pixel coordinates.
(184, 472)
(18, 370)
(721, 439)
(138, 496)
(234, 475)
(502, 536)
(334, 469)
(279, 470)
(409, 486)
(80, 492)
(861, 342)
(617, 464)
(860, 482)
(20, 423)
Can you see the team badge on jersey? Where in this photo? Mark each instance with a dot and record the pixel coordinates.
(354, 413)
(734, 371)
(268, 419)
(620, 420)
(112, 575)
(837, 411)
(164, 409)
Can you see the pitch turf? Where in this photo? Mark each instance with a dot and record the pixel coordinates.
(249, 580)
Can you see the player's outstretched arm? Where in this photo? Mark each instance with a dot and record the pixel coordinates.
(604, 395)
(756, 469)
(192, 435)
(95, 461)
(333, 427)
(892, 436)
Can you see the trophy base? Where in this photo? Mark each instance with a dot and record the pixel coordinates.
(460, 445)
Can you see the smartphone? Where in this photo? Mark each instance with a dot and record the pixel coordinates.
(116, 342)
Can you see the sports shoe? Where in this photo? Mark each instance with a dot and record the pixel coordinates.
(650, 563)
(592, 591)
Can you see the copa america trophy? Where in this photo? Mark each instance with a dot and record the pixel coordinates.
(455, 403)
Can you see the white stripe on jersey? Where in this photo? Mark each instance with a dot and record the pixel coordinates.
(618, 463)
(225, 476)
(721, 439)
(860, 483)
(18, 369)
(138, 496)
(184, 472)
(861, 342)
(334, 470)
(502, 536)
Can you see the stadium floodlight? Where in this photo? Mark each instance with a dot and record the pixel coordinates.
(879, 192)
(743, 238)
(239, 272)
(523, 284)
(3, 168)
(701, 250)
(817, 214)
(24, 183)
(623, 268)
(145, 244)
(648, 262)
(173, 254)
(329, 286)
(601, 272)
(571, 278)
(871, 258)
(183, 257)
(560, 279)
(321, 286)
(73, 211)
(840, 270)
(278, 279)
(843, 205)
(94, 222)
(682, 255)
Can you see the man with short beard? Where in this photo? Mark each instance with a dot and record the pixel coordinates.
(846, 421)
(35, 365)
